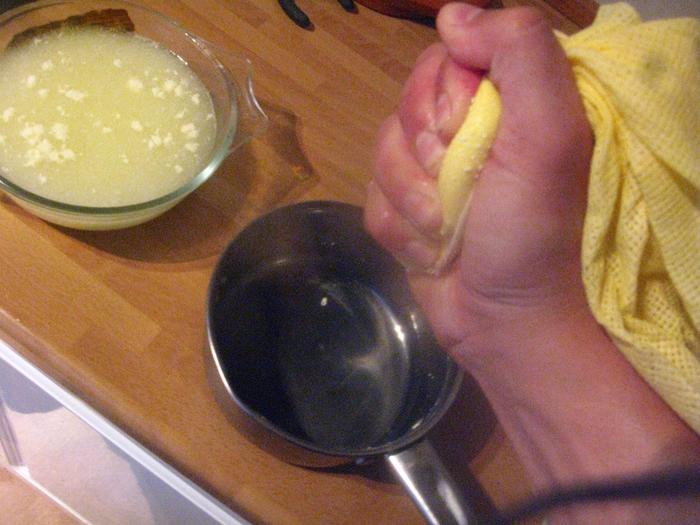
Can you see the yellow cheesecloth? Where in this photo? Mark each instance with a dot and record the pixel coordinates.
(640, 83)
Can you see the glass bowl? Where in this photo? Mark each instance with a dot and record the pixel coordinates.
(226, 76)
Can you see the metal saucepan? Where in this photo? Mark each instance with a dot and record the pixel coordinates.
(320, 356)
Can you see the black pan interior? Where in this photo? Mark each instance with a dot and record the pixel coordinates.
(317, 336)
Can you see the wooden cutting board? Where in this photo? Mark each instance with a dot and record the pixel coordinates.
(118, 317)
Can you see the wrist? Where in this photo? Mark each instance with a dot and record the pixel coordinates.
(496, 329)
(572, 405)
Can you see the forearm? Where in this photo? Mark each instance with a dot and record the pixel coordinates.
(574, 408)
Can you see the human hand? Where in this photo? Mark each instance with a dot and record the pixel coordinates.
(511, 309)
(521, 248)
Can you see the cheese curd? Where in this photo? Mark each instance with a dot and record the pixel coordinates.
(95, 117)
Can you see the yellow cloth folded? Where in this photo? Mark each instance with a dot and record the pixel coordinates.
(640, 83)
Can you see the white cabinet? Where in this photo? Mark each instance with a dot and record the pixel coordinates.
(86, 464)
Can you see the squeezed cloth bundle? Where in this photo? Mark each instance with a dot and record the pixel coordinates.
(640, 84)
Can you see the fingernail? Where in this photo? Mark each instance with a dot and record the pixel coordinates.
(418, 254)
(443, 111)
(429, 150)
(425, 212)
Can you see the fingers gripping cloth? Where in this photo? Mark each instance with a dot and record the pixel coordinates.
(640, 84)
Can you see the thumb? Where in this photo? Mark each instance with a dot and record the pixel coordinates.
(518, 49)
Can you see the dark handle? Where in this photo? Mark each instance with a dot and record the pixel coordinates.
(348, 5)
(295, 14)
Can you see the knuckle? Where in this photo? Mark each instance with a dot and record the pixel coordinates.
(384, 146)
(417, 98)
(377, 214)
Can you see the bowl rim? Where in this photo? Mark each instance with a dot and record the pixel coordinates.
(217, 154)
(233, 402)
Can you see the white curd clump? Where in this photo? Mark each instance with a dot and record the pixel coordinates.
(95, 117)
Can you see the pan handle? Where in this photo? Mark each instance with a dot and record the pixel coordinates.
(430, 486)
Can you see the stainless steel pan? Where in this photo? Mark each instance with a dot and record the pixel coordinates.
(320, 356)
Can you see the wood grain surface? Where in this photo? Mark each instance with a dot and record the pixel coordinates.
(118, 317)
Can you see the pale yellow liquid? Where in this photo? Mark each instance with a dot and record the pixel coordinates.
(95, 117)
